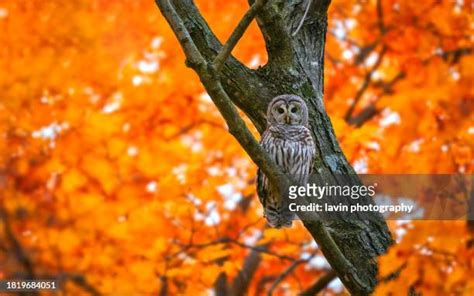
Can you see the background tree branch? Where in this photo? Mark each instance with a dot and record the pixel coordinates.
(287, 272)
(319, 284)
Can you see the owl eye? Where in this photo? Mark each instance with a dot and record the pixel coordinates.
(293, 109)
(281, 110)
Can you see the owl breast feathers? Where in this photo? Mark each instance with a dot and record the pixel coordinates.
(289, 143)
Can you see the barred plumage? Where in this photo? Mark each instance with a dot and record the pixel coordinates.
(289, 143)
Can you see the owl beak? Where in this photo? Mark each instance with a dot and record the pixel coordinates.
(287, 119)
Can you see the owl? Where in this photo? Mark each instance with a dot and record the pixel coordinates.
(288, 141)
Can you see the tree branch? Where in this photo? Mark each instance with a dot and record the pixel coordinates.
(286, 272)
(370, 111)
(220, 285)
(365, 84)
(262, 249)
(319, 284)
(264, 280)
(380, 18)
(243, 278)
(454, 55)
(237, 34)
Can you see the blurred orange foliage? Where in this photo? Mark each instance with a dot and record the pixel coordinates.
(116, 168)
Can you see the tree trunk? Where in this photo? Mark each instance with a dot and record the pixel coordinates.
(296, 66)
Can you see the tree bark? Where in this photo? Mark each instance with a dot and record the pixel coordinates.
(295, 66)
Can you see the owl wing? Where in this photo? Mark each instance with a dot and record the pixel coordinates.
(312, 150)
(261, 189)
(262, 180)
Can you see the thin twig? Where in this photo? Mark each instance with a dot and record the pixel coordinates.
(227, 240)
(285, 273)
(263, 249)
(370, 111)
(365, 85)
(237, 34)
(264, 280)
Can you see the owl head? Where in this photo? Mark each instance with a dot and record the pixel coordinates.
(287, 110)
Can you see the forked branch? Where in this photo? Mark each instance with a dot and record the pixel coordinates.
(210, 80)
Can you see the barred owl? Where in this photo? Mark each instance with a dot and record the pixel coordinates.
(288, 141)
